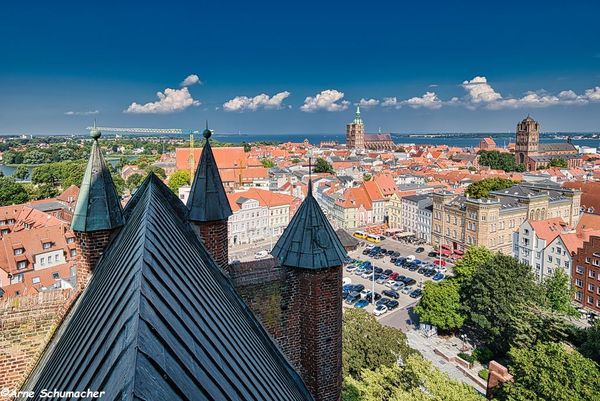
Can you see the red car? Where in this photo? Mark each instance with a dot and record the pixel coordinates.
(393, 276)
(439, 262)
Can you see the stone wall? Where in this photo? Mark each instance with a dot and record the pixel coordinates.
(26, 325)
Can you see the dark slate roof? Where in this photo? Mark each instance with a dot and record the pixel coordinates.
(98, 204)
(159, 321)
(556, 146)
(309, 241)
(346, 239)
(207, 201)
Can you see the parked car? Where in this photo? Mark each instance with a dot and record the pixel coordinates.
(368, 275)
(361, 303)
(391, 294)
(351, 268)
(367, 264)
(422, 270)
(407, 290)
(388, 271)
(378, 256)
(261, 254)
(393, 259)
(393, 304)
(420, 249)
(416, 293)
(378, 269)
(380, 310)
(390, 252)
(429, 273)
(410, 258)
(412, 267)
(390, 283)
(418, 262)
(400, 278)
(409, 281)
(396, 254)
(397, 286)
(364, 293)
(358, 287)
(352, 297)
(383, 301)
(377, 297)
(381, 280)
(394, 275)
(439, 262)
(438, 277)
(366, 251)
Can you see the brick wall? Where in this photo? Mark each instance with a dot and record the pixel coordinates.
(214, 237)
(26, 326)
(321, 332)
(302, 311)
(90, 247)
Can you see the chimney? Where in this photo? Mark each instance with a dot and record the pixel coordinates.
(311, 250)
(98, 213)
(209, 207)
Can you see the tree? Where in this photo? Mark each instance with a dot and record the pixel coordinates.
(267, 163)
(559, 293)
(474, 257)
(21, 173)
(61, 174)
(481, 189)
(247, 147)
(562, 163)
(550, 372)
(11, 192)
(590, 342)
(498, 293)
(414, 380)
(119, 182)
(440, 305)
(179, 179)
(366, 343)
(367, 177)
(499, 160)
(158, 171)
(36, 157)
(134, 181)
(322, 166)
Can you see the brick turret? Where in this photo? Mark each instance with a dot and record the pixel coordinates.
(98, 213)
(208, 206)
(312, 254)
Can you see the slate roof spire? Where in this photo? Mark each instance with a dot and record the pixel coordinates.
(207, 200)
(98, 204)
(159, 321)
(309, 241)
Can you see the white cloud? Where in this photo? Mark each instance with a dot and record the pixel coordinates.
(190, 80)
(172, 100)
(241, 103)
(326, 100)
(593, 94)
(389, 102)
(367, 104)
(479, 91)
(81, 113)
(429, 100)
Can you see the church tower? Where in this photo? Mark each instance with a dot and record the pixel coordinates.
(208, 206)
(98, 213)
(528, 139)
(355, 132)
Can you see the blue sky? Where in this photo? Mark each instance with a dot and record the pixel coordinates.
(420, 66)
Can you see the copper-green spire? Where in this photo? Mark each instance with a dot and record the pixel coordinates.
(357, 118)
(207, 200)
(98, 204)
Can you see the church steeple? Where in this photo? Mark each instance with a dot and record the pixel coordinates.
(357, 118)
(209, 207)
(98, 213)
(98, 204)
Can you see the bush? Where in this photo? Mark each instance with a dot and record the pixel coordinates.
(484, 374)
(467, 357)
(483, 355)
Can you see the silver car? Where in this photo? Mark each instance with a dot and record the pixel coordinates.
(407, 290)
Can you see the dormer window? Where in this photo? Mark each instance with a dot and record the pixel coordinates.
(19, 251)
(47, 245)
(70, 240)
(27, 226)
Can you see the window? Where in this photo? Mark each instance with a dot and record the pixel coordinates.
(73, 252)
(591, 287)
(579, 269)
(35, 280)
(70, 240)
(47, 245)
(592, 273)
(56, 258)
(590, 300)
(42, 261)
(19, 251)
(21, 264)
(578, 282)
(578, 296)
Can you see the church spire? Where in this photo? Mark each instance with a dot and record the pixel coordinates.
(207, 201)
(357, 118)
(98, 204)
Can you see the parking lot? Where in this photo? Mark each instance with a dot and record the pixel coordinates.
(384, 263)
